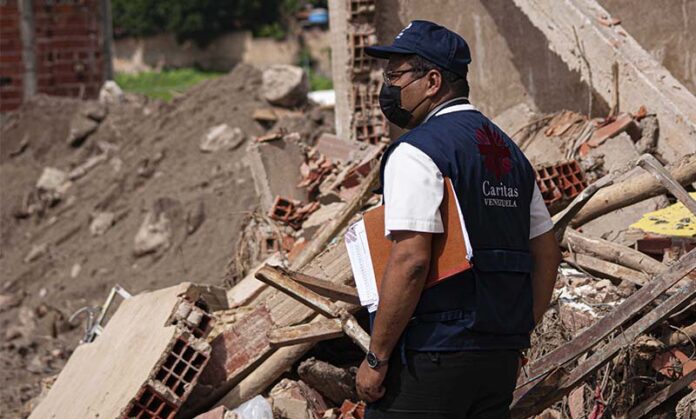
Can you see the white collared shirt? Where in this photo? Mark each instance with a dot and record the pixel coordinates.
(437, 109)
(413, 189)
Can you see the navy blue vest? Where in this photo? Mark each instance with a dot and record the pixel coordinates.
(489, 306)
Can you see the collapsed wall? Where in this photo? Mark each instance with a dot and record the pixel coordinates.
(519, 59)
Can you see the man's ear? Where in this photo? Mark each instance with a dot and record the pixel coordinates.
(434, 80)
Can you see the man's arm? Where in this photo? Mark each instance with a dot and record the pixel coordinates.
(547, 256)
(402, 285)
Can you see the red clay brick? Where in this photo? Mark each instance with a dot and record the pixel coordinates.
(238, 347)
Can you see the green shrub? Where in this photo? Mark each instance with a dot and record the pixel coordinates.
(197, 20)
(319, 82)
(162, 85)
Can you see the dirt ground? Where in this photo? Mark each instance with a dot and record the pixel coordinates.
(153, 156)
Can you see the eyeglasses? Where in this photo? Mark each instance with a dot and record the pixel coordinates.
(392, 76)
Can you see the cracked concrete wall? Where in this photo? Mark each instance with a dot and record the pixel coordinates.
(665, 28)
(511, 60)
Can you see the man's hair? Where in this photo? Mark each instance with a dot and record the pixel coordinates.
(457, 83)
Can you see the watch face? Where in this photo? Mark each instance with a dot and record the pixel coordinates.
(372, 360)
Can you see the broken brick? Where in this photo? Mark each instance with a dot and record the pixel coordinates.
(350, 410)
(674, 364)
(611, 129)
(282, 209)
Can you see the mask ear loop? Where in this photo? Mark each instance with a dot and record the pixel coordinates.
(422, 100)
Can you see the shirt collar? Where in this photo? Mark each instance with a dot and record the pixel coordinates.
(443, 105)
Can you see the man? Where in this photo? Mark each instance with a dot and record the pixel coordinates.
(452, 350)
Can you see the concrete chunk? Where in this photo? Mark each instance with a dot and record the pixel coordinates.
(221, 137)
(127, 370)
(53, 180)
(101, 222)
(156, 231)
(296, 400)
(275, 167)
(515, 117)
(337, 149)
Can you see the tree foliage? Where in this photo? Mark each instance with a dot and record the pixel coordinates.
(197, 20)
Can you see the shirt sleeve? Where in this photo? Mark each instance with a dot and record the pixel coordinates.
(413, 190)
(539, 218)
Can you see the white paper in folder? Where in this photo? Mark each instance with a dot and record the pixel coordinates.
(361, 264)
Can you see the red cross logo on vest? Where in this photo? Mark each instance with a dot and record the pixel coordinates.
(496, 154)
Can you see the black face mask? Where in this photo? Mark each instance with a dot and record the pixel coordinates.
(390, 103)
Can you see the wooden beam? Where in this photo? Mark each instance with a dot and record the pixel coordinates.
(612, 252)
(327, 289)
(356, 333)
(323, 329)
(632, 305)
(650, 163)
(533, 402)
(635, 189)
(607, 269)
(660, 397)
(283, 282)
(244, 383)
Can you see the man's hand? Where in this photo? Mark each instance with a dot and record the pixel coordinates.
(402, 285)
(369, 381)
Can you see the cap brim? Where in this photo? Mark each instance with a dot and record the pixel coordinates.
(386, 51)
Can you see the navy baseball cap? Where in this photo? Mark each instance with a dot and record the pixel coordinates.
(431, 41)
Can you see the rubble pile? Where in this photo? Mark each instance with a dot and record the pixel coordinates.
(606, 347)
(616, 338)
(218, 219)
(153, 194)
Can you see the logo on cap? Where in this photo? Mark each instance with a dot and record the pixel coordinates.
(404, 30)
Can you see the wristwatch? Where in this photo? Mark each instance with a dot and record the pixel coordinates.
(374, 362)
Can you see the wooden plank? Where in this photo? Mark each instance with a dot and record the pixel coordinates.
(634, 189)
(660, 397)
(650, 163)
(324, 329)
(328, 289)
(280, 280)
(612, 252)
(607, 269)
(284, 281)
(242, 384)
(285, 310)
(535, 401)
(632, 305)
(356, 333)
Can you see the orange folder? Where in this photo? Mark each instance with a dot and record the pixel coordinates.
(449, 250)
